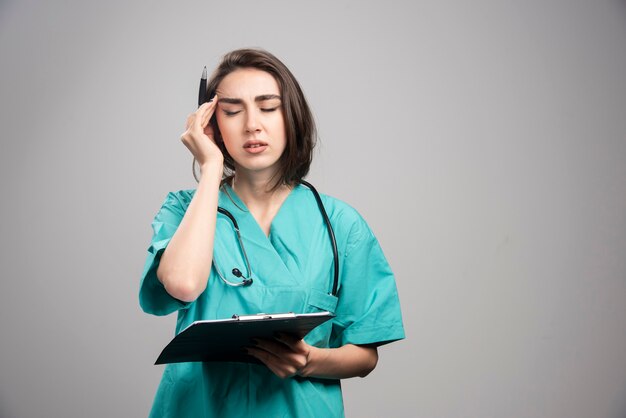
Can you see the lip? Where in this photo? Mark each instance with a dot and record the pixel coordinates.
(255, 146)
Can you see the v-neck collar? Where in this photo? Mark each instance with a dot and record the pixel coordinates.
(255, 239)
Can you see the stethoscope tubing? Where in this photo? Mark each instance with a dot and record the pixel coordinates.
(331, 235)
(247, 280)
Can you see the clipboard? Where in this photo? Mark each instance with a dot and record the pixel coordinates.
(226, 339)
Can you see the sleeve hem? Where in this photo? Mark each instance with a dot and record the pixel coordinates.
(153, 297)
(379, 335)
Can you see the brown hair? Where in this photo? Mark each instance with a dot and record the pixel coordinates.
(299, 124)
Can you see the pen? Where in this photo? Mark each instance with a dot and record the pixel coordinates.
(202, 93)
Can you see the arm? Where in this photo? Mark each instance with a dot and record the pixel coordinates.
(287, 356)
(186, 262)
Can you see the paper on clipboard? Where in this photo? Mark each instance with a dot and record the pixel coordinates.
(225, 339)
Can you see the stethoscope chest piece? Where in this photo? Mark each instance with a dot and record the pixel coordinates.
(245, 281)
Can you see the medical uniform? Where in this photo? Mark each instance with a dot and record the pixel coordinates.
(292, 272)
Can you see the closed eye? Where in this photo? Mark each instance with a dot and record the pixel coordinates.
(234, 112)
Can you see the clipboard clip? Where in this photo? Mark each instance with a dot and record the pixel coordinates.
(263, 316)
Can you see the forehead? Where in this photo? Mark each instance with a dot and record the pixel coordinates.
(247, 83)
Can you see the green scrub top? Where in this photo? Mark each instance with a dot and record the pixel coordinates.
(292, 272)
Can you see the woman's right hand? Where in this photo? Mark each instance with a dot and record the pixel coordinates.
(198, 136)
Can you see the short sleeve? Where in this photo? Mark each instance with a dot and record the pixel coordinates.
(368, 311)
(153, 298)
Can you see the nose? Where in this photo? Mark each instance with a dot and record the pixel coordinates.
(252, 122)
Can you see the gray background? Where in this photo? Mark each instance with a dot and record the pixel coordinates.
(483, 141)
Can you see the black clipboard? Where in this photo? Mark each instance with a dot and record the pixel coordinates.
(225, 339)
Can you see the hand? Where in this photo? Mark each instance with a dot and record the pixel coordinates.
(198, 135)
(286, 356)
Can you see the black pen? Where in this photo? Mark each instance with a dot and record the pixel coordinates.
(202, 93)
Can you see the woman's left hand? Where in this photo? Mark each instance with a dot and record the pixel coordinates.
(286, 356)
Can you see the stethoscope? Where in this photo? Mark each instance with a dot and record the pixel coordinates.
(246, 280)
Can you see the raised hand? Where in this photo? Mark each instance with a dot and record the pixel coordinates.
(198, 136)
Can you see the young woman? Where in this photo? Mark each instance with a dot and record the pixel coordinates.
(253, 143)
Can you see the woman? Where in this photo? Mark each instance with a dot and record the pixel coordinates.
(253, 143)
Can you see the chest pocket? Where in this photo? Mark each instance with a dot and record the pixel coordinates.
(320, 301)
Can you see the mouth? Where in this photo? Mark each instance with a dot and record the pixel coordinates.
(254, 146)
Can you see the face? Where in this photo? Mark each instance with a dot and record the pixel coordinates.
(250, 119)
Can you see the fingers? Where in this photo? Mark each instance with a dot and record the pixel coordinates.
(189, 122)
(290, 340)
(198, 121)
(280, 366)
(273, 363)
(204, 113)
(210, 109)
(285, 357)
(200, 118)
(198, 135)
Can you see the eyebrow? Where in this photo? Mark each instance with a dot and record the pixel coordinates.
(260, 98)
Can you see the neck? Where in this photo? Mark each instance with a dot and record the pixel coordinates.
(256, 191)
(258, 196)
